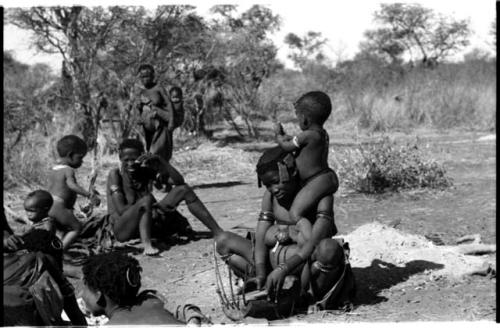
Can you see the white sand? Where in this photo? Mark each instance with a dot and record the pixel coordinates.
(377, 241)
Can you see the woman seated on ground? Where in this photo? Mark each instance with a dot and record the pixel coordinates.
(35, 289)
(111, 283)
(134, 211)
(281, 247)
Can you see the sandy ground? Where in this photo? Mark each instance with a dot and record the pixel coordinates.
(401, 274)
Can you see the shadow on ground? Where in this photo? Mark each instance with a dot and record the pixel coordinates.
(218, 184)
(380, 275)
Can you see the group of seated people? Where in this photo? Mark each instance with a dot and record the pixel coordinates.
(293, 236)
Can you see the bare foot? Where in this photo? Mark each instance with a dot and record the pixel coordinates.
(150, 250)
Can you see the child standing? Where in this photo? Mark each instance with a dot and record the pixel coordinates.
(310, 149)
(64, 188)
(178, 106)
(157, 118)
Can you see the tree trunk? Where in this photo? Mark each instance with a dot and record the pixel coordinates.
(85, 125)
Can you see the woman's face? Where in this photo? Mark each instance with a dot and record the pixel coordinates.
(284, 192)
(91, 297)
(128, 156)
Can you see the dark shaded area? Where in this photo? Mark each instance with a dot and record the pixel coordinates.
(218, 184)
(380, 275)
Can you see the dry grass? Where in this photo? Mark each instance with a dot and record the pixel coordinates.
(461, 95)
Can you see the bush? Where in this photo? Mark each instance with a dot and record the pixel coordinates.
(387, 167)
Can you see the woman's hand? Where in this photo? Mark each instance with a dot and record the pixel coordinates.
(274, 283)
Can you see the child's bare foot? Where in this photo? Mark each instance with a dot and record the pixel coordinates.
(150, 250)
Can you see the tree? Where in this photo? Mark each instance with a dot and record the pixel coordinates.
(242, 47)
(24, 97)
(382, 43)
(78, 34)
(103, 47)
(417, 32)
(306, 48)
(27, 93)
(477, 55)
(171, 38)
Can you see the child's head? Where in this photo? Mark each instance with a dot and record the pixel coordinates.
(37, 205)
(175, 95)
(313, 108)
(72, 149)
(146, 74)
(328, 251)
(114, 277)
(327, 257)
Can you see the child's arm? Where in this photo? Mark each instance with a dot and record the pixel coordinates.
(73, 185)
(288, 143)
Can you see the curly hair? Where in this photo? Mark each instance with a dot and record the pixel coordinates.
(116, 275)
(316, 105)
(269, 160)
(133, 144)
(40, 199)
(71, 144)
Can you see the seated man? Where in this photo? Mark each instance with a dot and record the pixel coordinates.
(111, 283)
(133, 209)
(282, 248)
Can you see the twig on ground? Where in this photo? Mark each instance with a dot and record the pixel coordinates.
(476, 249)
(475, 238)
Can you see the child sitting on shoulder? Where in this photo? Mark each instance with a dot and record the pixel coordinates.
(310, 149)
(64, 188)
